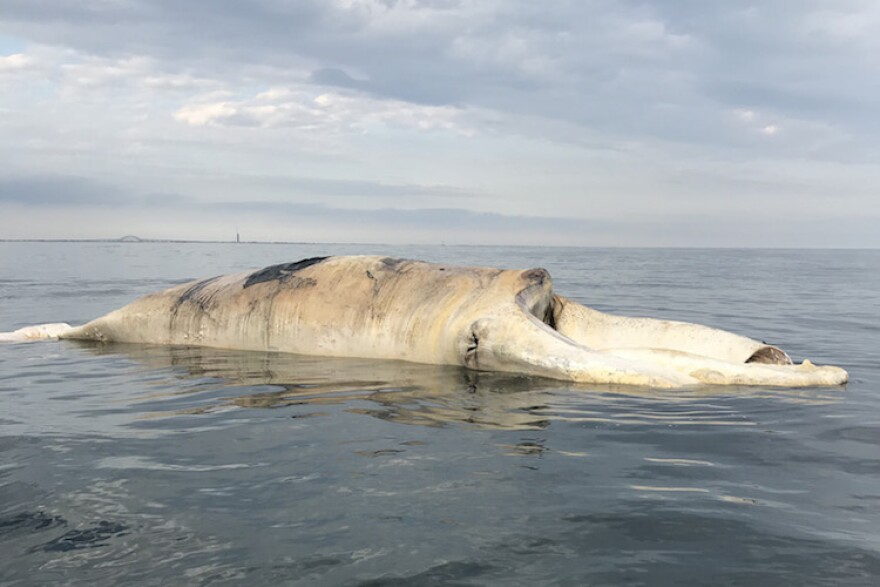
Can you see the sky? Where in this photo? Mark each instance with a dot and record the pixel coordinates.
(565, 122)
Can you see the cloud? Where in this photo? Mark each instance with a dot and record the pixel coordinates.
(91, 72)
(331, 76)
(360, 189)
(56, 191)
(14, 61)
(79, 207)
(94, 197)
(52, 190)
(330, 112)
(618, 69)
(575, 109)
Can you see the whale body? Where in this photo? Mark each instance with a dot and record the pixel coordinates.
(480, 318)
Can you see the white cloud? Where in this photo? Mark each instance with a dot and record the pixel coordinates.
(300, 108)
(14, 61)
(91, 72)
(75, 71)
(770, 130)
(203, 114)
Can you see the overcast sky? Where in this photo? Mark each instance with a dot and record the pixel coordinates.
(582, 122)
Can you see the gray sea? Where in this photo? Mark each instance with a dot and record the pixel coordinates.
(147, 465)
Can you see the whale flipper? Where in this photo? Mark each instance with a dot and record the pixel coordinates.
(37, 332)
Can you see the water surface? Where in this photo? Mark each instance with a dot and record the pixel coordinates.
(149, 465)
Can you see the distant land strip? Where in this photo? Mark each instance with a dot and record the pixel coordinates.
(135, 239)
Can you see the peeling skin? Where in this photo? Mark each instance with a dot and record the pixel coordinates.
(483, 319)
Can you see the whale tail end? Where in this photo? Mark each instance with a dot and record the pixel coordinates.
(37, 332)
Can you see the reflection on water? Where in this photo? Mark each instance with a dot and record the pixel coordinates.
(402, 392)
(429, 395)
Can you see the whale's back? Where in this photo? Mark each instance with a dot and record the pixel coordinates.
(364, 306)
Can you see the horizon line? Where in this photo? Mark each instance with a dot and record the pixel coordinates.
(139, 240)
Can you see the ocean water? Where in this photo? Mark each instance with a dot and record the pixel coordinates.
(144, 465)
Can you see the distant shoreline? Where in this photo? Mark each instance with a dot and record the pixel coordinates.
(138, 240)
(156, 240)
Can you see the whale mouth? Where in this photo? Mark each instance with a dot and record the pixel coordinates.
(603, 332)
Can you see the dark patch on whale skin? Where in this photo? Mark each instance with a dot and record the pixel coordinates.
(770, 355)
(376, 284)
(282, 272)
(387, 264)
(538, 276)
(393, 263)
(549, 317)
(192, 293)
(471, 359)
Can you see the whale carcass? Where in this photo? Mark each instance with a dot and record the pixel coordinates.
(480, 318)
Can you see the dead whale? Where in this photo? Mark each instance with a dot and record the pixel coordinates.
(480, 318)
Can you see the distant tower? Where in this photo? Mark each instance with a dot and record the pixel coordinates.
(237, 237)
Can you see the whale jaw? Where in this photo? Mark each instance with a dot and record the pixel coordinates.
(562, 339)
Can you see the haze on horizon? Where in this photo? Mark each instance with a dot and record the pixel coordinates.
(624, 123)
